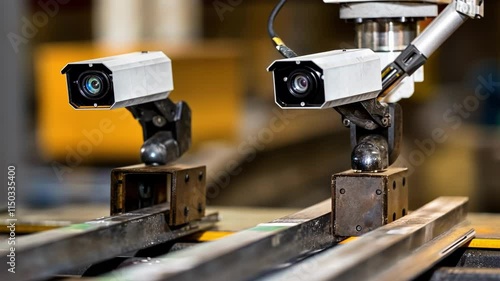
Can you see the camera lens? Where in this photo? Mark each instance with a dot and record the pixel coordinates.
(93, 85)
(300, 84)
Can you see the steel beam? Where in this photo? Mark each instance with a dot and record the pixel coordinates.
(243, 255)
(45, 254)
(414, 242)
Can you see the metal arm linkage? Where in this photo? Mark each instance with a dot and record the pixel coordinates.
(376, 130)
(166, 129)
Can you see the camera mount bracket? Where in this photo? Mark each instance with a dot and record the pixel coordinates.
(375, 149)
(166, 129)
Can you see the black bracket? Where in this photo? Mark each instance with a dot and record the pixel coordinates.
(368, 114)
(166, 129)
(374, 148)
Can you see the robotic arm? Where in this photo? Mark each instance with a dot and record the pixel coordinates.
(415, 55)
(375, 126)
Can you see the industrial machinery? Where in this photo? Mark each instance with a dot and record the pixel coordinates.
(365, 232)
(372, 193)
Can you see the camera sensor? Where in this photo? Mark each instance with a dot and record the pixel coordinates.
(302, 82)
(93, 84)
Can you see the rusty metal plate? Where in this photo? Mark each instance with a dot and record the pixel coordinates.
(362, 202)
(140, 186)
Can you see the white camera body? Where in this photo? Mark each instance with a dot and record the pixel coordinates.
(326, 80)
(119, 81)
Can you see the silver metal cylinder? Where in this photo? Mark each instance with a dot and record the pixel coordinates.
(439, 30)
(386, 35)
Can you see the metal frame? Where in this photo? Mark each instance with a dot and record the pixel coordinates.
(182, 187)
(51, 252)
(243, 255)
(362, 202)
(413, 243)
(263, 251)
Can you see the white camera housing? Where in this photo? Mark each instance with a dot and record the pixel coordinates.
(119, 81)
(326, 80)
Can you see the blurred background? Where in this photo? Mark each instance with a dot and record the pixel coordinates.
(256, 154)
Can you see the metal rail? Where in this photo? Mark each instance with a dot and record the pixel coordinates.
(48, 253)
(243, 255)
(398, 251)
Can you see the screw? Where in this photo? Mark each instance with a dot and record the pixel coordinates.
(385, 121)
(200, 208)
(200, 176)
(342, 191)
(346, 122)
(186, 178)
(358, 228)
(186, 211)
(379, 192)
(285, 79)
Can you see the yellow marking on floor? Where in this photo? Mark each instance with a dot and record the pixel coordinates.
(484, 243)
(350, 239)
(207, 236)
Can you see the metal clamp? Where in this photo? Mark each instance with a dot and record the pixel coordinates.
(182, 187)
(472, 8)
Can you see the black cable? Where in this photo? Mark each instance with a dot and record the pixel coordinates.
(280, 45)
(272, 17)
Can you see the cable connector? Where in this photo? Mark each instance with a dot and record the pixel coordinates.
(283, 49)
(471, 8)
